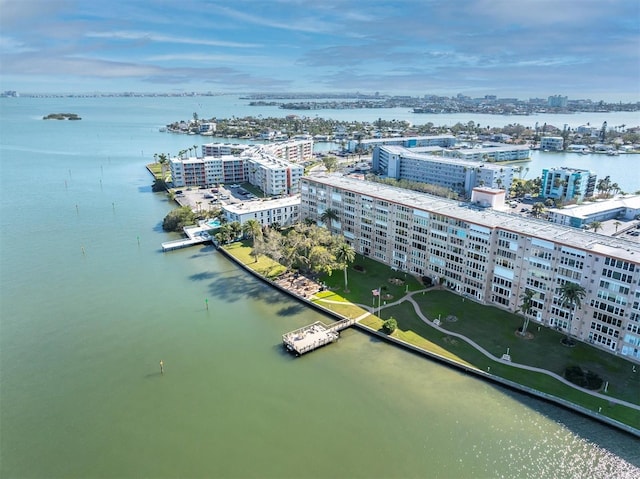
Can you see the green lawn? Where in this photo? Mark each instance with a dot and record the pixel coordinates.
(265, 266)
(490, 327)
(155, 169)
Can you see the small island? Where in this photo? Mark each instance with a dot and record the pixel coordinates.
(62, 116)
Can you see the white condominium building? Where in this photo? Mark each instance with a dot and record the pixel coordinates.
(274, 167)
(491, 257)
(294, 151)
(366, 145)
(551, 143)
(284, 211)
(218, 150)
(458, 175)
(207, 171)
(273, 175)
(492, 152)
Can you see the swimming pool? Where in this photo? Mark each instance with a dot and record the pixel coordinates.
(214, 223)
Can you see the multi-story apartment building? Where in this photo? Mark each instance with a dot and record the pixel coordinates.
(458, 175)
(492, 152)
(566, 184)
(260, 165)
(557, 101)
(490, 256)
(273, 175)
(294, 151)
(284, 211)
(551, 143)
(218, 150)
(206, 171)
(367, 145)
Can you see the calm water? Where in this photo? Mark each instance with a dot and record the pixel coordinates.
(89, 306)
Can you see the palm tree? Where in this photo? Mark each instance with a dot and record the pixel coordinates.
(571, 295)
(235, 229)
(526, 307)
(195, 150)
(345, 254)
(617, 225)
(537, 209)
(162, 159)
(252, 229)
(328, 217)
(595, 226)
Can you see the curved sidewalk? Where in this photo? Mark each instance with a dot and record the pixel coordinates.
(416, 307)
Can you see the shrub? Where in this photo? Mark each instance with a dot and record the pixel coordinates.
(390, 325)
(584, 379)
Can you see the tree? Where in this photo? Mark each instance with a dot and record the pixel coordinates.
(345, 254)
(617, 225)
(177, 219)
(571, 296)
(390, 325)
(321, 260)
(537, 209)
(252, 229)
(526, 307)
(236, 229)
(595, 226)
(223, 236)
(162, 159)
(330, 163)
(328, 217)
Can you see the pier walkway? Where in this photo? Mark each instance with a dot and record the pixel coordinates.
(313, 336)
(195, 235)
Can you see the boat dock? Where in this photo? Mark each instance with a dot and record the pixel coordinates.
(314, 336)
(195, 235)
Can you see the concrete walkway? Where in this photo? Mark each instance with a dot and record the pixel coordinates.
(416, 307)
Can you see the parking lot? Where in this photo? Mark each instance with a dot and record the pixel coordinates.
(202, 199)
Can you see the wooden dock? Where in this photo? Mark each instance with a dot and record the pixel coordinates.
(314, 336)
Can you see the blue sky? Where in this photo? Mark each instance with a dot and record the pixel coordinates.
(511, 48)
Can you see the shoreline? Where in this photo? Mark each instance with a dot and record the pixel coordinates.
(443, 360)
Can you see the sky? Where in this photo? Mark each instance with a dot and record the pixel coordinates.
(509, 48)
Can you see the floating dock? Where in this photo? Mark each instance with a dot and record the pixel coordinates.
(314, 336)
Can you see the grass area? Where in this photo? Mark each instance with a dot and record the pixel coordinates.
(365, 275)
(265, 266)
(494, 330)
(491, 328)
(155, 169)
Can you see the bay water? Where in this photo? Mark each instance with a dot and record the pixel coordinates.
(89, 305)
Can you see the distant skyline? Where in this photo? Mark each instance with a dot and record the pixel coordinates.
(523, 49)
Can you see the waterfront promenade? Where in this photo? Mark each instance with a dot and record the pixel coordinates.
(307, 290)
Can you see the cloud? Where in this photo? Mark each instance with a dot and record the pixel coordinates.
(154, 37)
(405, 46)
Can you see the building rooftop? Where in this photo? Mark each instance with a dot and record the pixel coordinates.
(449, 160)
(467, 212)
(406, 138)
(492, 147)
(587, 209)
(256, 206)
